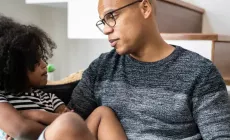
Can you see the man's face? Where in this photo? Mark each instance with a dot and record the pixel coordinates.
(125, 35)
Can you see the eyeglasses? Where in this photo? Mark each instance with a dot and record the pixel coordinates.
(110, 19)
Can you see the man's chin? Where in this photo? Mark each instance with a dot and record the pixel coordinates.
(121, 51)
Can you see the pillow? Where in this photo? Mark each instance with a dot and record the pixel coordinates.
(70, 78)
(63, 88)
(62, 91)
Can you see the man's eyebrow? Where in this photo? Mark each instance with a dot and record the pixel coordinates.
(108, 11)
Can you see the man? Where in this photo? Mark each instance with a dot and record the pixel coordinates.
(158, 91)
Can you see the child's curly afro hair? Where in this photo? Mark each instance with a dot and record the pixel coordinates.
(21, 48)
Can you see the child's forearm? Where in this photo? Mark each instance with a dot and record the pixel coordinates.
(31, 130)
(47, 118)
(43, 117)
(35, 119)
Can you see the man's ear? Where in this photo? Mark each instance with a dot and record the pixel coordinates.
(146, 8)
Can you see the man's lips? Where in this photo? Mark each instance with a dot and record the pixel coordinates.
(113, 42)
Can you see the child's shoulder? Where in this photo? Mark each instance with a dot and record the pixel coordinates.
(2, 96)
(39, 93)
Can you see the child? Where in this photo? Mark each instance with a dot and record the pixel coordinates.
(28, 113)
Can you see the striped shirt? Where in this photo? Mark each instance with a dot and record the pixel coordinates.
(36, 99)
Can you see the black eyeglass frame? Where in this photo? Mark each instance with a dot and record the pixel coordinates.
(103, 21)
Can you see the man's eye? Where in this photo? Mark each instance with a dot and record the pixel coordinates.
(109, 16)
(115, 15)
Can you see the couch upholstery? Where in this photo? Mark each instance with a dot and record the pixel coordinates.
(63, 91)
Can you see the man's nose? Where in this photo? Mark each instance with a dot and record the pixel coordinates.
(107, 30)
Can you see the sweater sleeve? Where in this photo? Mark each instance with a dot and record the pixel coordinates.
(83, 100)
(211, 105)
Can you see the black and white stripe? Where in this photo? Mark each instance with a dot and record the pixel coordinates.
(36, 99)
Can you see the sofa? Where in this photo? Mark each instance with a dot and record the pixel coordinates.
(62, 91)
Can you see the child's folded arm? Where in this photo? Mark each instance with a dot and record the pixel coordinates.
(43, 117)
(62, 109)
(17, 126)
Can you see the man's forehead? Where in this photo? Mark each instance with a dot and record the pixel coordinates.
(105, 6)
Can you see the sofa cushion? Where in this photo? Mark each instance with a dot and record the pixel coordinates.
(62, 91)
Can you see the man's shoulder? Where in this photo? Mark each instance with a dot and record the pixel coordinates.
(195, 61)
(194, 58)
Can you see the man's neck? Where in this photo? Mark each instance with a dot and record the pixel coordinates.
(153, 52)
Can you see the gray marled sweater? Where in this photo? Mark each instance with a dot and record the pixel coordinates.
(180, 97)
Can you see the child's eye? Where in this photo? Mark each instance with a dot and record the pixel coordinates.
(37, 64)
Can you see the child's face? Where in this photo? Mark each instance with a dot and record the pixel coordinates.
(39, 76)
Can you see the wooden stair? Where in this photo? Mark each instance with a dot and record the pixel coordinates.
(181, 23)
(176, 16)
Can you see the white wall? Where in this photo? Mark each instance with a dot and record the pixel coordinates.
(45, 1)
(83, 51)
(21, 12)
(70, 55)
(83, 26)
(52, 20)
(216, 17)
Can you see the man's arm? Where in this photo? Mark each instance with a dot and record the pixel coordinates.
(211, 105)
(16, 125)
(83, 100)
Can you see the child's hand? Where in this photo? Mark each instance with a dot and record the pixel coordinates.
(66, 110)
(63, 109)
(8, 137)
